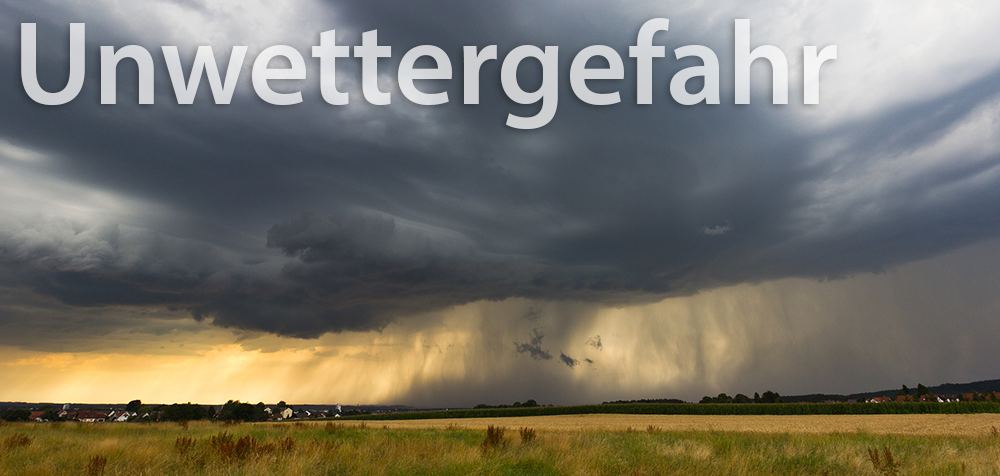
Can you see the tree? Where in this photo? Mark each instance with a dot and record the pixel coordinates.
(723, 398)
(183, 412)
(756, 397)
(16, 414)
(922, 390)
(770, 397)
(258, 412)
(707, 399)
(133, 406)
(49, 413)
(904, 391)
(530, 403)
(235, 410)
(740, 398)
(282, 404)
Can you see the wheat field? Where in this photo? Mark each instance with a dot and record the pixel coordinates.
(568, 445)
(929, 425)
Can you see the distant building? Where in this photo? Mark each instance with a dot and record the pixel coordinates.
(86, 416)
(120, 416)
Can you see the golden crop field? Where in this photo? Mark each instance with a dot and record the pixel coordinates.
(550, 445)
(930, 425)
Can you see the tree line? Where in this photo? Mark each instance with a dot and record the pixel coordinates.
(767, 397)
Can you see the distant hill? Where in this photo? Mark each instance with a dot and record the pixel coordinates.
(982, 386)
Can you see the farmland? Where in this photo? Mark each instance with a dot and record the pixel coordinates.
(907, 408)
(928, 444)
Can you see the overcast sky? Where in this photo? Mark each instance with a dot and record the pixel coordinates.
(434, 256)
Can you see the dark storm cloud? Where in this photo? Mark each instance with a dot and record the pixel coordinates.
(314, 218)
(534, 348)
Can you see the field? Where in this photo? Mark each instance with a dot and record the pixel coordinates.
(567, 444)
(907, 408)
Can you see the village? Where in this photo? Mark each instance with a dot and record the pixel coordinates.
(135, 411)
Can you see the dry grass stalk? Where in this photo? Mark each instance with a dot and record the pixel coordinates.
(528, 435)
(183, 444)
(19, 440)
(885, 464)
(97, 465)
(494, 438)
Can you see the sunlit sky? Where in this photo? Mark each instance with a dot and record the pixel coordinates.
(432, 256)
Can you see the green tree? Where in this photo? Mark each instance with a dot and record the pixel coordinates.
(770, 397)
(49, 413)
(133, 406)
(922, 390)
(740, 398)
(258, 412)
(183, 412)
(756, 397)
(903, 391)
(235, 410)
(15, 414)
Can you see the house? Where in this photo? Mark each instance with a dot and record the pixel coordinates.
(119, 416)
(87, 416)
(37, 416)
(287, 413)
(879, 400)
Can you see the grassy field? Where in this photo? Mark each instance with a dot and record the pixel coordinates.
(906, 444)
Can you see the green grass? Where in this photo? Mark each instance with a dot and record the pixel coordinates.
(706, 409)
(288, 449)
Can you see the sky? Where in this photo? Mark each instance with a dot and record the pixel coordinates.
(433, 256)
